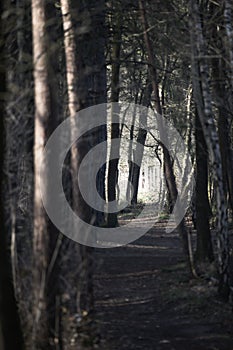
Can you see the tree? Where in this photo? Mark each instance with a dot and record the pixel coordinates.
(84, 44)
(115, 91)
(203, 100)
(79, 258)
(204, 249)
(44, 232)
(141, 139)
(220, 44)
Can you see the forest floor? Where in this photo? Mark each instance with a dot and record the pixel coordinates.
(145, 299)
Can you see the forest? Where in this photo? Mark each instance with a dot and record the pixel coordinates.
(116, 174)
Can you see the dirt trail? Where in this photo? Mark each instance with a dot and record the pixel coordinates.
(145, 299)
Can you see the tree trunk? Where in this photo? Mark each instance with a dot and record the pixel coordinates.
(204, 249)
(141, 139)
(223, 98)
(77, 265)
(53, 276)
(43, 236)
(91, 79)
(130, 159)
(115, 132)
(86, 82)
(200, 72)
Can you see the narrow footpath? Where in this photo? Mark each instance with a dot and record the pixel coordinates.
(144, 299)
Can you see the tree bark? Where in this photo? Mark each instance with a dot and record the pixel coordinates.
(141, 139)
(86, 82)
(221, 72)
(200, 72)
(204, 250)
(90, 39)
(115, 132)
(44, 234)
(78, 260)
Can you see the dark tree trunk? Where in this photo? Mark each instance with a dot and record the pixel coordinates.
(86, 81)
(92, 90)
(204, 250)
(91, 80)
(203, 98)
(221, 41)
(130, 159)
(141, 139)
(115, 132)
(53, 280)
(224, 118)
(77, 263)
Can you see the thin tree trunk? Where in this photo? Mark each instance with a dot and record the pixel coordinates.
(115, 132)
(131, 158)
(141, 139)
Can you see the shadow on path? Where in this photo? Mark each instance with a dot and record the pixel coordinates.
(144, 299)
